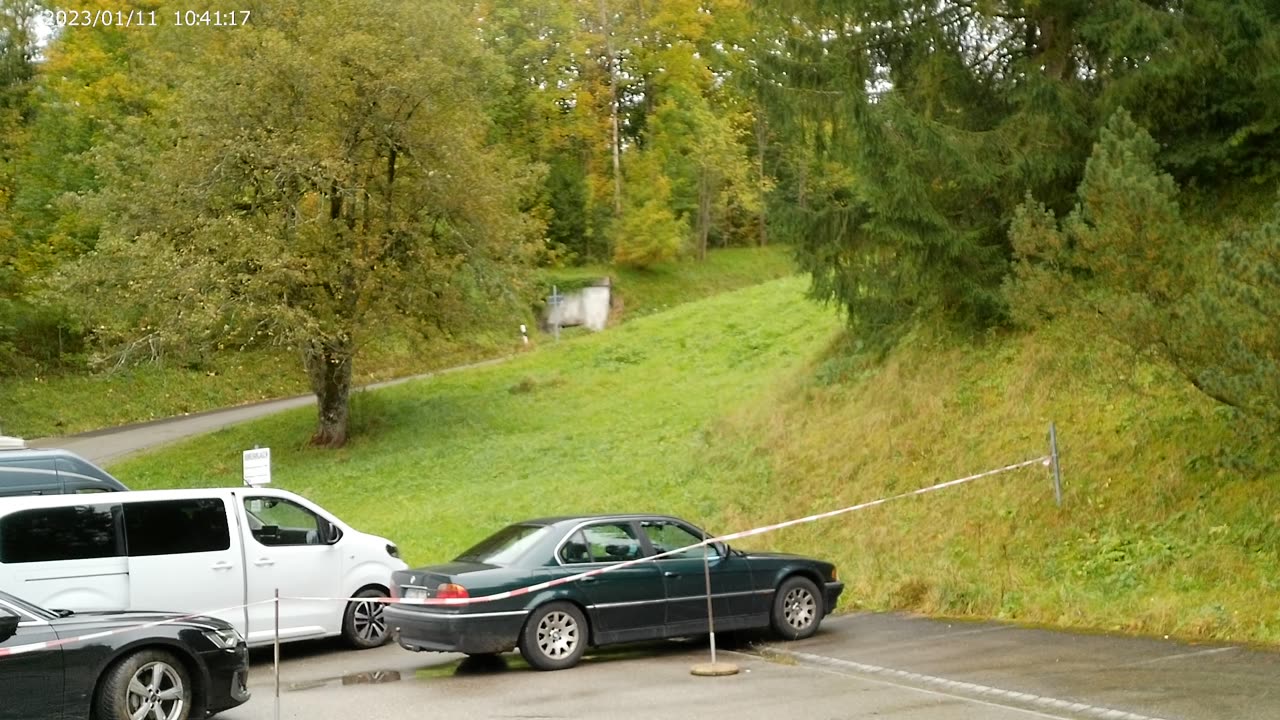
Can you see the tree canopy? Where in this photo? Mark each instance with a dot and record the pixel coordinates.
(313, 175)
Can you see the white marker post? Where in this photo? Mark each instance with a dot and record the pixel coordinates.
(257, 467)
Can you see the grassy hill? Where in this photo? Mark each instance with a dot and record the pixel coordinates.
(738, 410)
(71, 403)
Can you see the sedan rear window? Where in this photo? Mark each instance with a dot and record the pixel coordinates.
(506, 545)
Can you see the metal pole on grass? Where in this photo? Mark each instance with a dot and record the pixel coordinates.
(1053, 458)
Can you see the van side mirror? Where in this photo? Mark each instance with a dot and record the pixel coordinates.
(330, 532)
(8, 626)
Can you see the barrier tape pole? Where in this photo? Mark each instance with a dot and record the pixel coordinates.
(277, 654)
(1043, 460)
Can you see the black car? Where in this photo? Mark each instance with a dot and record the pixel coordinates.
(660, 598)
(189, 668)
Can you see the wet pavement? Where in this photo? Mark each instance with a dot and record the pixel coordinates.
(860, 666)
(1143, 677)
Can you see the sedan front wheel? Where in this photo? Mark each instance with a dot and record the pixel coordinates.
(554, 637)
(147, 685)
(797, 608)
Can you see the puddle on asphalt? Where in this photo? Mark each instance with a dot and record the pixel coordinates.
(489, 665)
(361, 678)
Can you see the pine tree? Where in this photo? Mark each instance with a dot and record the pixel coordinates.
(946, 114)
(1243, 307)
(1118, 255)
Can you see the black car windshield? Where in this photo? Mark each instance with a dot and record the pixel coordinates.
(26, 607)
(506, 545)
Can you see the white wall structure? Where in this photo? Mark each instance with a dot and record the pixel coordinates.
(588, 306)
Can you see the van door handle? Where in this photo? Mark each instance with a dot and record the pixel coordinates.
(222, 565)
(260, 562)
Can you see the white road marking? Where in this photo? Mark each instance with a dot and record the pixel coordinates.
(891, 645)
(963, 687)
(1179, 656)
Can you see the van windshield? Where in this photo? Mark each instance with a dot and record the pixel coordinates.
(505, 546)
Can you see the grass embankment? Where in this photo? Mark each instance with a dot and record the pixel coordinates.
(726, 411)
(68, 404)
(611, 422)
(1170, 525)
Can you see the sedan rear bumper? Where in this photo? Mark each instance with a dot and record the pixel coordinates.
(832, 595)
(473, 633)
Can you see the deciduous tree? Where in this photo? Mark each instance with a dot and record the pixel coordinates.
(326, 169)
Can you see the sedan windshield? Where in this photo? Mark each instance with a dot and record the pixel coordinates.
(26, 607)
(506, 545)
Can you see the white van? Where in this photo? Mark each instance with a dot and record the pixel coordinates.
(200, 551)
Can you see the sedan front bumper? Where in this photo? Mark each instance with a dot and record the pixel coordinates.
(474, 633)
(832, 595)
(228, 678)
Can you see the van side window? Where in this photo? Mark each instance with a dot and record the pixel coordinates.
(174, 527)
(276, 521)
(61, 533)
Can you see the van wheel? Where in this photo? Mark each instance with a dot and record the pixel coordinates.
(149, 684)
(363, 624)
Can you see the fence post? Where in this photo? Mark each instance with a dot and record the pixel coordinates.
(1053, 459)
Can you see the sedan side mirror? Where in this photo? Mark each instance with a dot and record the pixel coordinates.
(8, 626)
(721, 549)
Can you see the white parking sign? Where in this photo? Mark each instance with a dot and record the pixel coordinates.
(257, 466)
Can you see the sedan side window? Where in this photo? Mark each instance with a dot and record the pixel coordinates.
(666, 536)
(575, 550)
(611, 542)
(276, 521)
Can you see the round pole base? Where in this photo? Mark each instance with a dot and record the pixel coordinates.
(715, 669)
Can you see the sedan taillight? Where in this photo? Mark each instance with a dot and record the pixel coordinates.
(449, 591)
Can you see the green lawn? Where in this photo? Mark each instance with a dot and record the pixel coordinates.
(736, 411)
(68, 404)
(613, 422)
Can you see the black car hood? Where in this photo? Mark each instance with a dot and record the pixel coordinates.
(117, 619)
(775, 555)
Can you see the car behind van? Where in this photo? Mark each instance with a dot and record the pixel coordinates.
(200, 551)
(32, 471)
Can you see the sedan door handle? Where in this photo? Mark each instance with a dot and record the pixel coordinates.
(668, 573)
(222, 565)
(260, 562)
(589, 578)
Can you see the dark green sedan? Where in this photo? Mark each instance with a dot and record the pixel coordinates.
(553, 621)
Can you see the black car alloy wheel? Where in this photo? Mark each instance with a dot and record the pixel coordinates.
(147, 685)
(554, 637)
(797, 608)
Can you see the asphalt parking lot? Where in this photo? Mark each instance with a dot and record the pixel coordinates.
(859, 666)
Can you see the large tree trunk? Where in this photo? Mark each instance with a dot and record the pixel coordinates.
(762, 139)
(329, 369)
(706, 192)
(613, 111)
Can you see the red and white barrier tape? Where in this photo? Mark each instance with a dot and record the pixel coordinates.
(722, 538)
(19, 649)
